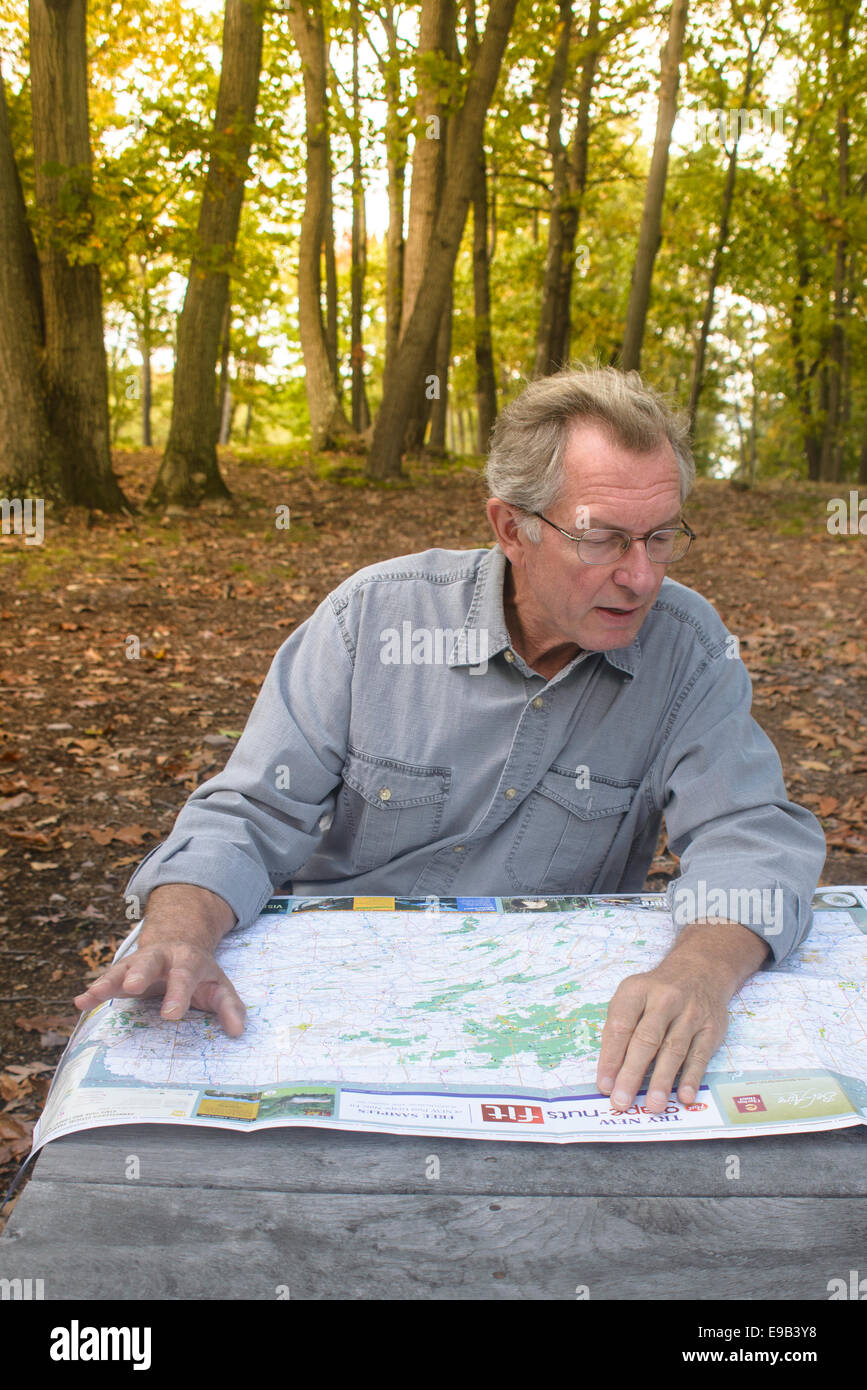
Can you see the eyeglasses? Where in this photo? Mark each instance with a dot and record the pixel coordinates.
(600, 546)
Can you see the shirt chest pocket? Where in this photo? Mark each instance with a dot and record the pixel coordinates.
(389, 808)
(564, 832)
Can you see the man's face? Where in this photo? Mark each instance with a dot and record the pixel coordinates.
(561, 597)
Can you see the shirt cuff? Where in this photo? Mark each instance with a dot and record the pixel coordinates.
(777, 915)
(223, 869)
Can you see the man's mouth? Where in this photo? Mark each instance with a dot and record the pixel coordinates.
(619, 611)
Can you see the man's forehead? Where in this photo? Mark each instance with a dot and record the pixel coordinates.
(602, 474)
(592, 446)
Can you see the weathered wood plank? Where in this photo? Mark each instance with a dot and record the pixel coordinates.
(829, 1164)
(119, 1242)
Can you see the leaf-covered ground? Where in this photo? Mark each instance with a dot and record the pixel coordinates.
(99, 751)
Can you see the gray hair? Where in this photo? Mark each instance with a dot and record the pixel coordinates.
(525, 462)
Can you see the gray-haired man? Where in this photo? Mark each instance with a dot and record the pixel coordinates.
(513, 720)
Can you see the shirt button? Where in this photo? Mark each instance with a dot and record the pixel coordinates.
(510, 656)
(509, 793)
(459, 849)
(538, 702)
(384, 794)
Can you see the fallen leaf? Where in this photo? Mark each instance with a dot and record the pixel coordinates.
(31, 837)
(847, 653)
(133, 834)
(100, 952)
(91, 911)
(127, 835)
(38, 1023)
(13, 1128)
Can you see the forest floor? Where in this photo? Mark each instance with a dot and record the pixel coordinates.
(98, 752)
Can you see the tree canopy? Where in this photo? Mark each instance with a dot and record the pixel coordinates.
(395, 214)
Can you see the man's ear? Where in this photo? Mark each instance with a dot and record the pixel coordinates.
(504, 523)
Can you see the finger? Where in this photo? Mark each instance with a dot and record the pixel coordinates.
(647, 1039)
(146, 969)
(704, 1045)
(180, 986)
(116, 981)
(221, 997)
(100, 989)
(670, 1057)
(624, 1011)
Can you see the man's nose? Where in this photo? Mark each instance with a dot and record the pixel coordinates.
(634, 571)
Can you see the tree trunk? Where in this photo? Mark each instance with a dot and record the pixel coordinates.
(119, 393)
(226, 417)
(189, 470)
(542, 364)
(845, 419)
(754, 419)
(486, 380)
(385, 454)
(436, 38)
(145, 347)
(803, 376)
(328, 424)
(76, 373)
(360, 411)
(31, 458)
(435, 408)
(829, 461)
(439, 405)
(330, 271)
(721, 243)
(651, 221)
(493, 210)
(395, 140)
(742, 467)
(224, 389)
(576, 181)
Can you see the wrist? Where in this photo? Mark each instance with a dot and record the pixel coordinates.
(186, 911)
(729, 950)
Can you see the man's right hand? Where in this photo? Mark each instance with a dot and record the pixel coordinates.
(174, 956)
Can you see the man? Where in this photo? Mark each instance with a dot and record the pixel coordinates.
(512, 721)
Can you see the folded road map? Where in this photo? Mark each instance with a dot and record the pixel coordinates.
(470, 1018)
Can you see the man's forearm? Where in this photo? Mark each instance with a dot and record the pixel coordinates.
(183, 909)
(730, 950)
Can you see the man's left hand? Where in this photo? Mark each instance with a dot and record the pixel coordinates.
(676, 1013)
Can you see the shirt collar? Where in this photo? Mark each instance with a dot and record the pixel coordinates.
(486, 616)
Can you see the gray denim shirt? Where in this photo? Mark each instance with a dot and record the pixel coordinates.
(400, 746)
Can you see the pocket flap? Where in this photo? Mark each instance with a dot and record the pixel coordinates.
(390, 784)
(603, 796)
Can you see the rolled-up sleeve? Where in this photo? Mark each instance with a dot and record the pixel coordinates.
(248, 829)
(747, 852)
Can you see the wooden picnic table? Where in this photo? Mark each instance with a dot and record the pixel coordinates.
(310, 1213)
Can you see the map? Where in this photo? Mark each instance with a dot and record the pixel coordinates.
(470, 1017)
